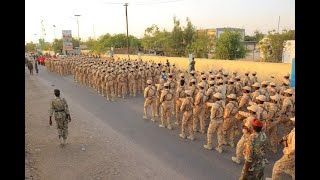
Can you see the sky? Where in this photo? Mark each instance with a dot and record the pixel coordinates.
(99, 17)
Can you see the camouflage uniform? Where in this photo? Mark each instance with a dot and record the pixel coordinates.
(186, 108)
(149, 95)
(199, 110)
(287, 111)
(216, 122)
(158, 103)
(229, 122)
(59, 107)
(166, 100)
(287, 163)
(254, 154)
(132, 83)
(246, 81)
(272, 124)
(180, 93)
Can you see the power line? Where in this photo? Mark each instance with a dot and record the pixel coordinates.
(145, 3)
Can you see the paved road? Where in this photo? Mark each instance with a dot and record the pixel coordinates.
(125, 117)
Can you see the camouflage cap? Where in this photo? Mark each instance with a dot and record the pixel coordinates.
(212, 76)
(220, 81)
(232, 96)
(275, 97)
(231, 80)
(256, 84)
(264, 83)
(286, 74)
(202, 84)
(203, 76)
(237, 77)
(225, 73)
(211, 82)
(289, 91)
(192, 72)
(192, 80)
(286, 81)
(202, 72)
(167, 84)
(253, 108)
(261, 98)
(247, 72)
(170, 74)
(246, 88)
(254, 72)
(149, 82)
(272, 84)
(218, 95)
(182, 75)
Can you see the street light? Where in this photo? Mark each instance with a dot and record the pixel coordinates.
(78, 15)
(54, 31)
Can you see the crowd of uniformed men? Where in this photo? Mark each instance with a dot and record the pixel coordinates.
(212, 102)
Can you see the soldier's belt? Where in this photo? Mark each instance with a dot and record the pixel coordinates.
(59, 111)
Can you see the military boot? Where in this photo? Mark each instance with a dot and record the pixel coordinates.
(182, 135)
(206, 146)
(219, 149)
(234, 159)
(169, 127)
(191, 137)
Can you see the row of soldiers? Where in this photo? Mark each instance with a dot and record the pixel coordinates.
(216, 101)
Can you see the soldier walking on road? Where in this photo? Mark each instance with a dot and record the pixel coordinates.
(254, 153)
(59, 108)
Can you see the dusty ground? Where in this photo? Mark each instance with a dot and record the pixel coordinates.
(106, 154)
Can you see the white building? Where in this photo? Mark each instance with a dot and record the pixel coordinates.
(288, 52)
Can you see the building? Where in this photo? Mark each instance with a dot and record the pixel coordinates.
(219, 31)
(288, 53)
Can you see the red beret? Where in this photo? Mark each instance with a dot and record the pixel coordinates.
(257, 123)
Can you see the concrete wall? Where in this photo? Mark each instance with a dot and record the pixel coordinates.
(264, 69)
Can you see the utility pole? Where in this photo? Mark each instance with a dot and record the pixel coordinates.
(278, 24)
(43, 35)
(78, 15)
(126, 5)
(54, 31)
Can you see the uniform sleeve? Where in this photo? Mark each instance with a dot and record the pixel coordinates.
(248, 155)
(227, 111)
(145, 92)
(51, 110)
(284, 107)
(209, 91)
(242, 102)
(213, 113)
(184, 102)
(197, 100)
(66, 107)
(291, 144)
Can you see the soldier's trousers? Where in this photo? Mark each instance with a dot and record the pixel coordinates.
(110, 90)
(115, 86)
(158, 104)
(178, 105)
(286, 164)
(228, 128)
(132, 88)
(215, 126)
(252, 175)
(142, 85)
(187, 122)
(122, 89)
(273, 138)
(198, 112)
(62, 126)
(149, 102)
(166, 108)
(240, 145)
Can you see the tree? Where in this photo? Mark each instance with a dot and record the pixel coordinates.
(177, 38)
(188, 34)
(30, 46)
(229, 46)
(57, 45)
(200, 45)
(258, 36)
(276, 41)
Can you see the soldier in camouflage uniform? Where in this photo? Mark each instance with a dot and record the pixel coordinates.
(251, 115)
(246, 80)
(254, 153)
(132, 83)
(287, 163)
(160, 87)
(254, 78)
(216, 121)
(59, 108)
(229, 123)
(180, 93)
(272, 123)
(187, 109)
(149, 95)
(287, 110)
(199, 109)
(166, 100)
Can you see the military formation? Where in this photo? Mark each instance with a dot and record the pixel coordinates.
(227, 104)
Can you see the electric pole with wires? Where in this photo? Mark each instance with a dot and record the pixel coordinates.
(126, 5)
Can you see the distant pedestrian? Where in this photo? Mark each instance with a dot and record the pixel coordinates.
(30, 67)
(192, 65)
(36, 67)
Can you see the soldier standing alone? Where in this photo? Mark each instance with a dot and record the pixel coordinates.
(59, 108)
